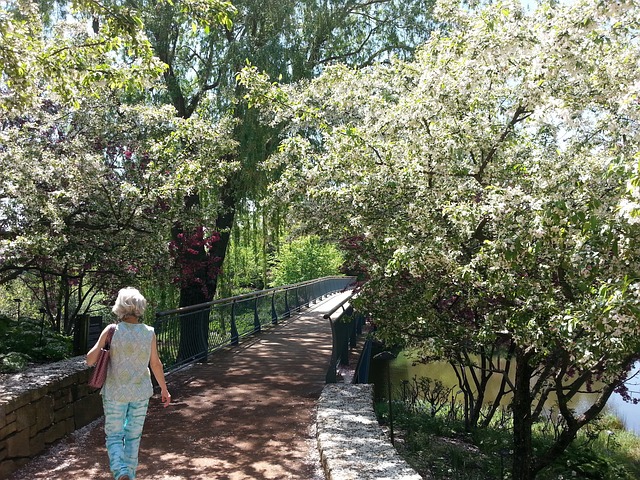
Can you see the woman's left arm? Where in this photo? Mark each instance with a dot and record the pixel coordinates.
(158, 371)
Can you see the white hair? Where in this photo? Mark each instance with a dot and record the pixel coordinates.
(129, 302)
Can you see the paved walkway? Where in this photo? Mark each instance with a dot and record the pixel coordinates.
(248, 413)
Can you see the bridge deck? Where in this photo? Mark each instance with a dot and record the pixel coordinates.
(248, 413)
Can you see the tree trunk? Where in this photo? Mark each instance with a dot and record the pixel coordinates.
(522, 420)
(574, 423)
(194, 327)
(224, 225)
(480, 385)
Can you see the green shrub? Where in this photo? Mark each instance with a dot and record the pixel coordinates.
(589, 464)
(29, 341)
(303, 259)
(5, 323)
(440, 448)
(13, 362)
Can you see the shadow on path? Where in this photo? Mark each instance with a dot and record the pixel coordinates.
(248, 413)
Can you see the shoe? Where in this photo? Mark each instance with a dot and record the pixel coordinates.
(124, 477)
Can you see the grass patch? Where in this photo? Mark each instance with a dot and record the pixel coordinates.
(437, 447)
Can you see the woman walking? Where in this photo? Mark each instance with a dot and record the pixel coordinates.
(127, 389)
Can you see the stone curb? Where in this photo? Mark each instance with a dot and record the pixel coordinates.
(351, 443)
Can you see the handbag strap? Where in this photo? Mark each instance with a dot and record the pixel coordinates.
(107, 343)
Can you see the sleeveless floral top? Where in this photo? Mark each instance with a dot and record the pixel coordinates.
(128, 376)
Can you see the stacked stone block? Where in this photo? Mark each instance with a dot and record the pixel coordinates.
(42, 405)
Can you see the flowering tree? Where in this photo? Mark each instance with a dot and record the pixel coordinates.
(68, 58)
(89, 197)
(485, 184)
(91, 181)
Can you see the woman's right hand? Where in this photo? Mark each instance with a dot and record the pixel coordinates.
(165, 396)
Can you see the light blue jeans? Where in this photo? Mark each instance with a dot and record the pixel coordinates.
(123, 422)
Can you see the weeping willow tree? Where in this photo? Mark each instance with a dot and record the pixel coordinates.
(264, 253)
(257, 235)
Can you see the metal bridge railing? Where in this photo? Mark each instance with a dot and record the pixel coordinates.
(346, 325)
(188, 334)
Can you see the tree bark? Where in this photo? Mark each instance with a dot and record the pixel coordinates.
(194, 327)
(575, 423)
(522, 419)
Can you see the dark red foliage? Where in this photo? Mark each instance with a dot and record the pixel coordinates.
(352, 243)
(195, 265)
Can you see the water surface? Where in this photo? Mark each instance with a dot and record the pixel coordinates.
(402, 368)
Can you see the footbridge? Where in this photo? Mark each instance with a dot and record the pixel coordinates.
(189, 334)
(245, 391)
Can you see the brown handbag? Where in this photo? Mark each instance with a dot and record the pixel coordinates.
(99, 374)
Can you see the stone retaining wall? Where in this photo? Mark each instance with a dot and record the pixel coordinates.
(42, 405)
(352, 445)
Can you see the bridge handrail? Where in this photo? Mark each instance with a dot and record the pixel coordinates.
(248, 295)
(345, 329)
(329, 314)
(188, 334)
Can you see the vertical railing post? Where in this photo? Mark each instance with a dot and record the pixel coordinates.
(234, 328)
(287, 310)
(256, 318)
(359, 323)
(343, 329)
(361, 374)
(353, 330)
(274, 314)
(81, 335)
(205, 318)
(331, 377)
